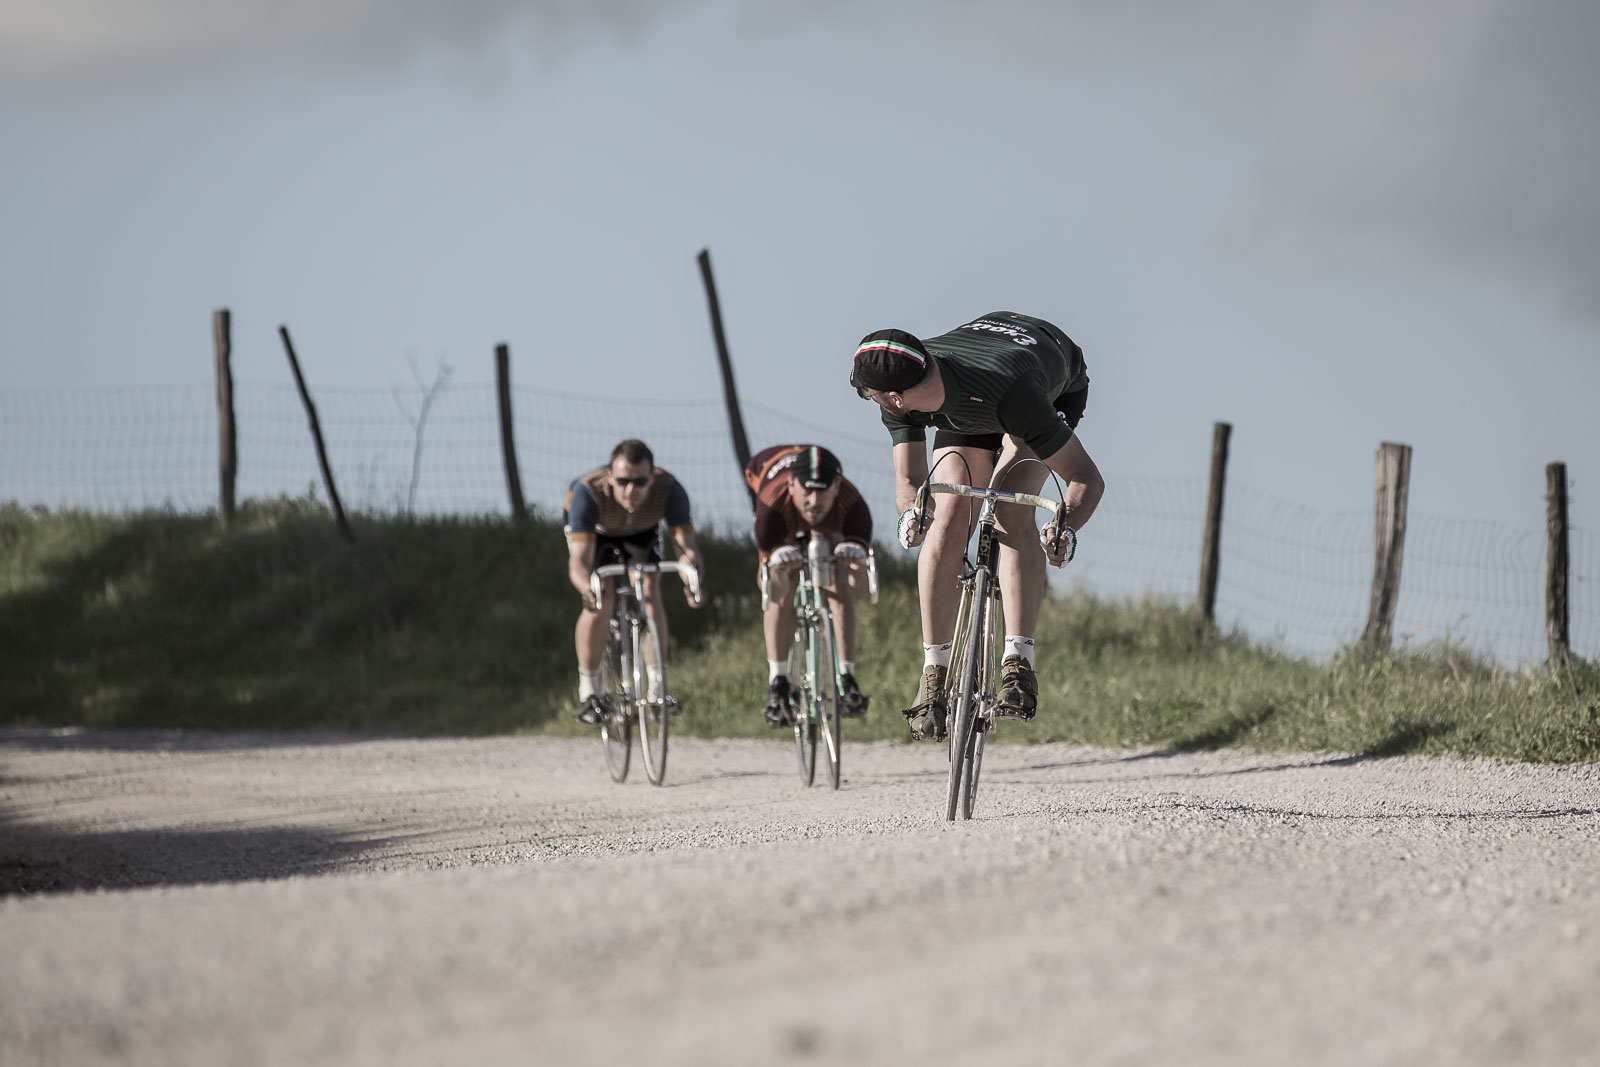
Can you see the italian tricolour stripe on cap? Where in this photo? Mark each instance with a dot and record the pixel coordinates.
(816, 460)
(891, 346)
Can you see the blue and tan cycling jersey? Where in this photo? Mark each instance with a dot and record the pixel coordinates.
(1002, 374)
(591, 510)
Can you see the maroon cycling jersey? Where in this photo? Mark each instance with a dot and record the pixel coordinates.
(778, 521)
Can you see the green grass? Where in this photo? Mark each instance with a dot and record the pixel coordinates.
(465, 627)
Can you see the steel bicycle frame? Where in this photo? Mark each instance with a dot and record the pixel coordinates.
(984, 693)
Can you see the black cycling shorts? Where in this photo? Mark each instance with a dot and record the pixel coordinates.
(642, 547)
(1068, 405)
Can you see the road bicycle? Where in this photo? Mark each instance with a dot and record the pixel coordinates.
(632, 644)
(972, 690)
(814, 658)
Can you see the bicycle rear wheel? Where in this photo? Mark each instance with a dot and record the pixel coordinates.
(652, 708)
(825, 690)
(963, 704)
(616, 731)
(805, 708)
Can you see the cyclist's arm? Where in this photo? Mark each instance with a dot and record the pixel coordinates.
(910, 471)
(770, 528)
(688, 554)
(683, 541)
(580, 563)
(1084, 485)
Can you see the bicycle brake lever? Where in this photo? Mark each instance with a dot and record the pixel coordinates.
(924, 495)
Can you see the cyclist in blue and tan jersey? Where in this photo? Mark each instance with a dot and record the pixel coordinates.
(801, 492)
(997, 390)
(613, 514)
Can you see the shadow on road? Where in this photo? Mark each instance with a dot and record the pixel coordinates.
(48, 859)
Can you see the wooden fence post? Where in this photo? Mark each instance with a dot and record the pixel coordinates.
(316, 437)
(1205, 608)
(508, 446)
(741, 444)
(227, 435)
(1555, 563)
(1389, 538)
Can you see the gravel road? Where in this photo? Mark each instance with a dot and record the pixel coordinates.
(203, 899)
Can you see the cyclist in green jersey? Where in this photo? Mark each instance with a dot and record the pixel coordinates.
(998, 390)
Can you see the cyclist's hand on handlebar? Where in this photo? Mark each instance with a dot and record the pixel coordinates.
(784, 556)
(851, 551)
(589, 602)
(1059, 550)
(694, 594)
(910, 529)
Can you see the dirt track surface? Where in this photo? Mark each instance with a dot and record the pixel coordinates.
(195, 899)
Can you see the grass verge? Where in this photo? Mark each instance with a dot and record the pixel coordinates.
(465, 627)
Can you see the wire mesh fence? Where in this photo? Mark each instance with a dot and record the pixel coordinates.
(1293, 575)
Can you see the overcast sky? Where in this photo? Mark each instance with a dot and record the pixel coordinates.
(1331, 223)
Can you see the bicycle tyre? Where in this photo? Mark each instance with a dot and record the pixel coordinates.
(969, 790)
(986, 684)
(963, 709)
(653, 717)
(805, 721)
(616, 735)
(826, 692)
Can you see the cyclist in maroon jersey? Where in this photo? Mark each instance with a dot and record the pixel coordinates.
(802, 493)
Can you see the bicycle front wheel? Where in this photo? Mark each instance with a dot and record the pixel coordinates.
(616, 731)
(983, 721)
(825, 690)
(805, 706)
(963, 703)
(653, 716)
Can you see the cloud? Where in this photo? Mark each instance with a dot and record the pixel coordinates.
(1394, 135)
(54, 50)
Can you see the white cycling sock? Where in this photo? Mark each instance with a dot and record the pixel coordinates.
(1020, 646)
(588, 684)
(777, 668)
(937, 655)
(847, 666)
(653, 673)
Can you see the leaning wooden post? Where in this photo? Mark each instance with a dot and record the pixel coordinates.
(1205, 608)
(1555, 563)
(1389, 538)
(741, 444)
(227, 436)
(316, 437)
(508, 446)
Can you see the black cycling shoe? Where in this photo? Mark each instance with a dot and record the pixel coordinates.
(596, 710)
(852, 701)
(927, 717)
(1019, 690)
(778, 710)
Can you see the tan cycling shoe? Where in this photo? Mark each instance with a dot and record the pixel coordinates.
(927, 717)
(1019, 689)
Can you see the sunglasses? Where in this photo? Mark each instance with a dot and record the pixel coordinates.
(637, 483)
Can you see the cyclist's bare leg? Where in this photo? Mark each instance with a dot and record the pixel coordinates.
(590, 635)
(841, 600)
(656, 608)
(778, 622)
(1022, 562)
(939, 561)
